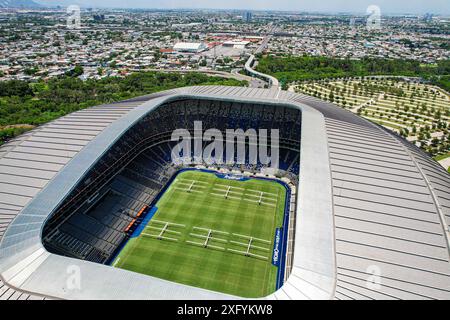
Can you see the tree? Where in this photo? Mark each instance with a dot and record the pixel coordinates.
(75, 72)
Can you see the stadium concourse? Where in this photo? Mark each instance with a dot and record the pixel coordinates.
(370, 219)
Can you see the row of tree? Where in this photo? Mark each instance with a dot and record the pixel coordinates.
(290, 68)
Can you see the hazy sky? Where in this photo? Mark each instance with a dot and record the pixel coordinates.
(387, 6)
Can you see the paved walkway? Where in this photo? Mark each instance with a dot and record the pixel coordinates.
(445, 163)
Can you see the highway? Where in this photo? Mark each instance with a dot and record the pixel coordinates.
(273, 82)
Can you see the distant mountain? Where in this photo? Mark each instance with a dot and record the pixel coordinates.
(19, 4)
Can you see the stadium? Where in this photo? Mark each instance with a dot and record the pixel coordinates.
(93, 207)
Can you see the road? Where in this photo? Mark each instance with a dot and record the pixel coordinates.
(272, 81)
(254, 82)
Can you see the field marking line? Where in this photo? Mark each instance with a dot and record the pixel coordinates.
(172, 231)
(190, 181)
(256, 201)
(163, 229)
(268, 204)
(238, 243)
(249, 254)
(216, 247)
(194, 243)
(187, 190)
(236, 251)
(219, 239)
(247, 237)
(116, 262)
(159, 237)
(201, 245)
(229, 191)
(211, 238)
(266, 193)
(223, 196)
(260, 248)
(207, 238)
(216, 231)
(216, 194)
(152, 227)
(258, 196)
(236, 192)
(258, 256)
(189, 184)
(233, 197)
(170, 223)
(246, 244)
(249, 245)
(226, 186)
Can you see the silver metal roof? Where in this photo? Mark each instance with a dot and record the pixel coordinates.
(370, 205)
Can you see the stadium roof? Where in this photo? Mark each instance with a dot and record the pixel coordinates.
(189, 46)
(369, 203)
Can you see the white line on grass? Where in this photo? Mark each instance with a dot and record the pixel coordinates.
(117, 261)
(170, 223)
(188, 184)
(248, 254)
(256, 201)
(160, 238)
(266, 193)
(247, 237)
(203, 237)
(258, 196)
(190, 181)
(215, 231)
(227, 186)
(188, 191)
(208, 247)
(159, 229)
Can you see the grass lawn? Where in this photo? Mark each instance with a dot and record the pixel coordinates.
(172, 245)
(442, 157)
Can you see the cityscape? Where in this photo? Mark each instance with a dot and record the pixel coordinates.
(39, 43)
(98, 99)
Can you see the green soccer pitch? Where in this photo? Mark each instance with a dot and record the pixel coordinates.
(213, 233)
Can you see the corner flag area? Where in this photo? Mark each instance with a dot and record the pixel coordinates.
(211, 232)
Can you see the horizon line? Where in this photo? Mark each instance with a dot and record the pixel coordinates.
(362, 13)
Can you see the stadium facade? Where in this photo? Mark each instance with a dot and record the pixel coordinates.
(371, 216)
